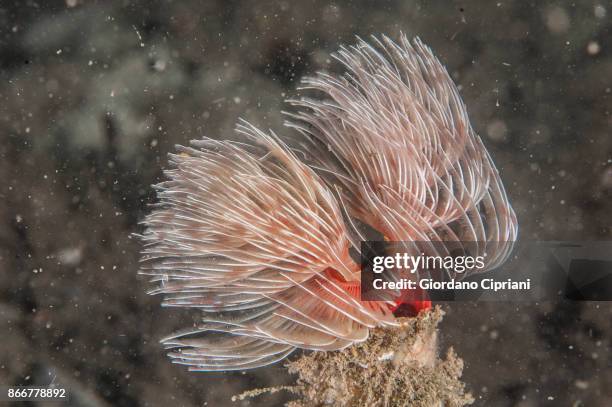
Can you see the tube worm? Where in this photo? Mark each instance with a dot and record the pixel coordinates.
(403, 151)
(259, 241)
(252, 237)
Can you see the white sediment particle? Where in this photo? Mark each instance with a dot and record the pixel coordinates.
(70, 256)
(557, 20)
(593, 48)
(606, 179)
(496, 130)
(159, 65)
(581, 384)
(139, 36)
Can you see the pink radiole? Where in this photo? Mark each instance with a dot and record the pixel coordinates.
(257, 237)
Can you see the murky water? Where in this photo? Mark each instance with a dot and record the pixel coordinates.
(95, 94)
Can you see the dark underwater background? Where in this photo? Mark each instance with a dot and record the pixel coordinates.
(93, 94)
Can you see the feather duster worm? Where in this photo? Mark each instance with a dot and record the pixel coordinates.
(258, 241)
(403, 151)
(253, 238)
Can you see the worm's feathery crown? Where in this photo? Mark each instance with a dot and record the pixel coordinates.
(254, 238)
(250, 236)
(403, 151)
